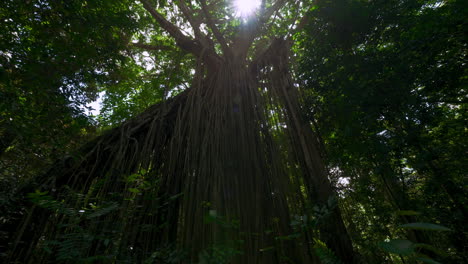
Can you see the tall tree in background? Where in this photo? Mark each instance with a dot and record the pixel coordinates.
(224, 166)
(386, 81)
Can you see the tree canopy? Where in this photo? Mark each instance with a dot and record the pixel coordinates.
(302, 132)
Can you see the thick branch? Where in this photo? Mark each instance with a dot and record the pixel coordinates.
(266, 14)
(268, 52)
(188, 14)
(150, 47)
(272, 9)
(299, 26)
(184, 42)
(215, 29)
(245, 38)
(205, 41)
(304, 21)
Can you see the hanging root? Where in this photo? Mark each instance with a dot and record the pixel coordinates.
(219, 168)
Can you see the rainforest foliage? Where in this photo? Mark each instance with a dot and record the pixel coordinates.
(305, 132)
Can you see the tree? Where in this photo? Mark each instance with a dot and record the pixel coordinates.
(218, 171)
(386, 83)
(53, 55)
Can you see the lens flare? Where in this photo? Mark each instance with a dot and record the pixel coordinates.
(245, 8)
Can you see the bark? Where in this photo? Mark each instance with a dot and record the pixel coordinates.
(198, 47)
(306, 145)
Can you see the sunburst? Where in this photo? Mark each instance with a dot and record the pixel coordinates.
(245, 8)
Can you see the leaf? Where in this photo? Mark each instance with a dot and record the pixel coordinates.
(134, 190)
(425, 226)
(315, 7)
(132, 177)
(41, 193)
(398, 246)
(266, 249)
(103, 211)
(431, 248)
(325, 255)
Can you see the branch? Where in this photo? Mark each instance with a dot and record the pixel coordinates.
(188, 14)
(245, 38)
(267, 52)
(150, 47)
(301, 25)
(205, 41)
(215, 29)
(184, 42)
(271, 10)
(297, 27)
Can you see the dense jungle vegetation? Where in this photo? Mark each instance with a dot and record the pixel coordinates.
(273, 131)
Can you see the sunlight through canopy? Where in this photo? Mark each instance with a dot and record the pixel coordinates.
(245, 8)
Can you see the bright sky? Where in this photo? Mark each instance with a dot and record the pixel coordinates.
(245, 8)
(96, 105)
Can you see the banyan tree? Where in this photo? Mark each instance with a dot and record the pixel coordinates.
(227, 171)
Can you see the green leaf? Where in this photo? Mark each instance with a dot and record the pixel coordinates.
(325, 255)
(134, 190)
(425, 226)
(103, 211)
(132, 177)
(266, 249)
(41, 193)
(398, 246)
(431, 248)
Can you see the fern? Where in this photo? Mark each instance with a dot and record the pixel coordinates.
(73, 243)
(100, 211)
(71, 247)
(45, 201)
(325, 255)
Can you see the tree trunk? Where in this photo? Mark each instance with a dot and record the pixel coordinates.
(306, 144)
(217, 174)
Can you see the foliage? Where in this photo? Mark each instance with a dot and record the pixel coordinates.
(412, 250)
(386, 88)
(51, 61)
(53, 56)
(167, 255)
(425, 226)
(325, 255)
(73, 245)
(203, 150)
